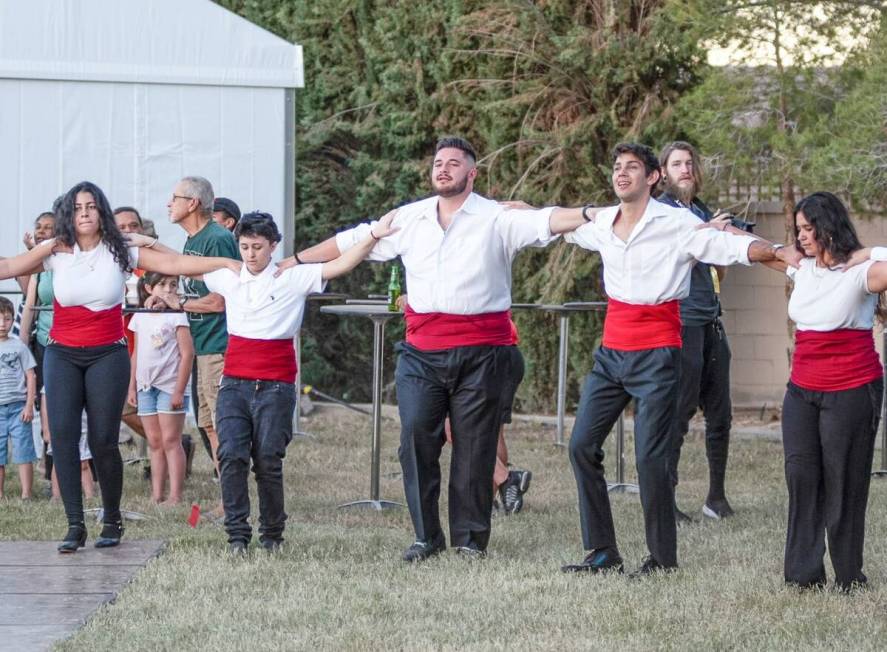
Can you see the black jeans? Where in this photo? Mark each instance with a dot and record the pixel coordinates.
(829, 439)
(466, 383)
(255, 422)
(95, 378)
(705, 383)
(651, 377)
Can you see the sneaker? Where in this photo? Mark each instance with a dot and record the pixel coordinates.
(237, 548)
(600, 560)
(422, 550)
(681, 518)
(513, 489)
(649, 567)
(717, 509)
(471, 551)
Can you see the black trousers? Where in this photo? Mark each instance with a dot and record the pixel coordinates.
(829, 439)
(255, 422)
(466, 383)
(95, 378)
(705, 383)
(651, 377)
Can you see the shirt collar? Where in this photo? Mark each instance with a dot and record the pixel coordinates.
(470, 205)
(654, 209)
(247, 277)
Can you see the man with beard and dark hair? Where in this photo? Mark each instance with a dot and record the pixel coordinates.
(457, 248)
(705, 355)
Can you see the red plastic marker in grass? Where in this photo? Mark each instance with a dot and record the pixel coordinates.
(195, 515)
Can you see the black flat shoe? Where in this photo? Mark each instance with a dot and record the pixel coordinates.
(110, 536)
(602, 560)
(74, 539)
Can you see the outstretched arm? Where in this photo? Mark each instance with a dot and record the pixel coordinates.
(352, 258)
(178, 265)
(30, 262)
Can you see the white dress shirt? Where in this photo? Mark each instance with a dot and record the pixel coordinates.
(465, 270)
(825, 299)
(653, 266)
(262, 307)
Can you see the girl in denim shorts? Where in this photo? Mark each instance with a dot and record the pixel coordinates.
(161, 371)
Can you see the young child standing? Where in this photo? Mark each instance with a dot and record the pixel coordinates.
(18, 386)
(161, 370)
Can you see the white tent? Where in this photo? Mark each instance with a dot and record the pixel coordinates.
(135, 94)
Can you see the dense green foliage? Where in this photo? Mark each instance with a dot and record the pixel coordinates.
(543, 89)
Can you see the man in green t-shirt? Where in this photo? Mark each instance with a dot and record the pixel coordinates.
(191, 207)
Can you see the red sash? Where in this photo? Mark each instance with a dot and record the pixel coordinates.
(832, 361)
(80, 326)
(437, 331)
(631, 327)
(260, 359)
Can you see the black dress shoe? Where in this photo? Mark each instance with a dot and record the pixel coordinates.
(471, 551)
(74, 539)
(600, 560)
(237, 548)
(422, 550)
(110, 536)
(650, 567)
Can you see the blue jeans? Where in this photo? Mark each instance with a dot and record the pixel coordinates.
(12, 427)
(254, 421)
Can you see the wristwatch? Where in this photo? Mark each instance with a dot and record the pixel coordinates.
(182, 301)
(585, 213)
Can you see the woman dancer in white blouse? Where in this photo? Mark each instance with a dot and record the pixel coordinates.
(833, 399)
(86, 364)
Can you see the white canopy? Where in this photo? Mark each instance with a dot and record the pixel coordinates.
(135, 94)
(149, 41)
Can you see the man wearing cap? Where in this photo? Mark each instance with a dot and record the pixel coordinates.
(226, 213)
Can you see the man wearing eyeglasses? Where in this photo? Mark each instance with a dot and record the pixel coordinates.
(191, 207)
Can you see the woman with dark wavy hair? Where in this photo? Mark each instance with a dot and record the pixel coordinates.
(86, 365)
(833, 399)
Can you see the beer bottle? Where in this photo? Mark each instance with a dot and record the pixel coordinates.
(394, 289)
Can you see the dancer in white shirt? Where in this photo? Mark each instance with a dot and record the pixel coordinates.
(457, 248)
(257, 394)
(648, 250)
(833, 399)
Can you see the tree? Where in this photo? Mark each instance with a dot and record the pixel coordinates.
(544, 89)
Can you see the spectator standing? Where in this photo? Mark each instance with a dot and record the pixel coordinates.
(226, 213)
(164, 353)
(191, 207)
(17, 391)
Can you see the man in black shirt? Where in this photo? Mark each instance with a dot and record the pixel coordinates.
(705, 356)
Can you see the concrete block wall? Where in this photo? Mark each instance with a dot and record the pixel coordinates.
(756, 314)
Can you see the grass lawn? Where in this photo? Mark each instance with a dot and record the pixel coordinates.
(339, 583)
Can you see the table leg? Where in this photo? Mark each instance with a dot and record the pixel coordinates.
(621, 486)
(563, 349)
(375, 502)
(297, 415)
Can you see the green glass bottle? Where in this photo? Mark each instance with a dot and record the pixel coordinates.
(394, 289)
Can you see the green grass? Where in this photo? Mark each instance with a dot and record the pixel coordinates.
(340, 584)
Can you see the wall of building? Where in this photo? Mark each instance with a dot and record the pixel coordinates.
(755, 314)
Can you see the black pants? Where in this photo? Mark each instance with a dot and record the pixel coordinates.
(466, 383)
(651, 377)
(95, 378)
(829, 439)
(705, 383)
(255, 422)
